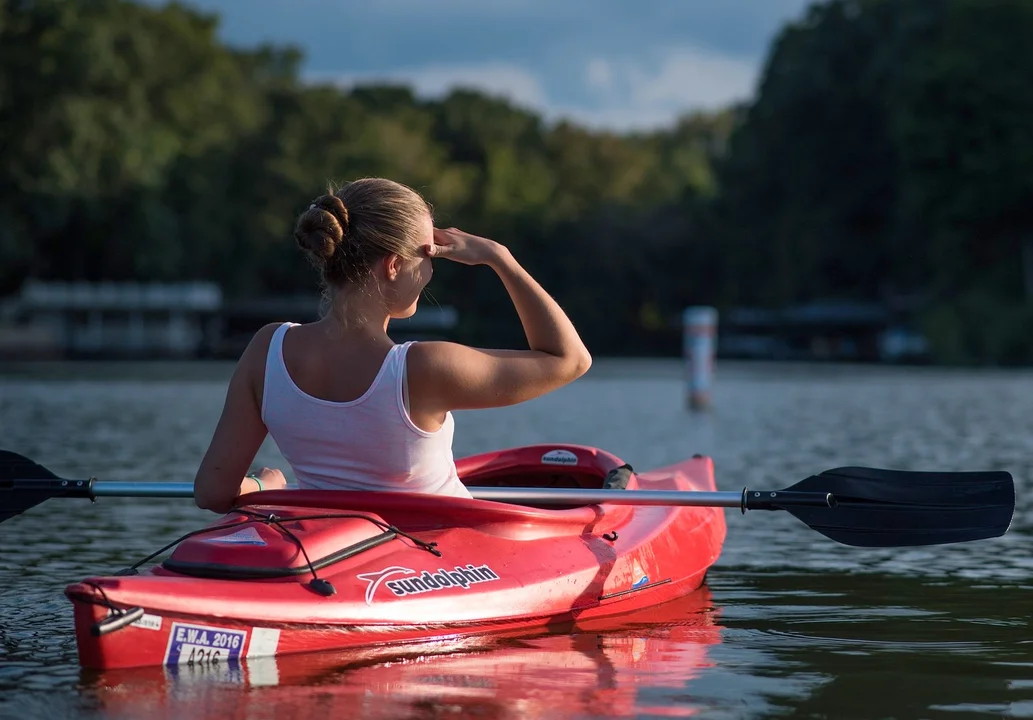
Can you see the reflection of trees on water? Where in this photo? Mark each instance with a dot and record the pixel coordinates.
(871, 646)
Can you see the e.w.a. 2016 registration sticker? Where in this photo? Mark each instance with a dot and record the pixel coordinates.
(191, 644)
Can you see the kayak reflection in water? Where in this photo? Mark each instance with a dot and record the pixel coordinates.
(347, 407)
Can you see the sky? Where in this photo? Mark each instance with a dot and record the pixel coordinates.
(608, 64)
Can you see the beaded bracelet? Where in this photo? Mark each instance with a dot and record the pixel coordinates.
(257, 481)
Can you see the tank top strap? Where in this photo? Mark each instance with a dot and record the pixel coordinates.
(275, 370)
(400, 381)
(392, 381)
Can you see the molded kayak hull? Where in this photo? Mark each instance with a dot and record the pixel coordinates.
(594, 670)
(300, 571)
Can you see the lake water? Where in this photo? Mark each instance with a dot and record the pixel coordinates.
(788, 624)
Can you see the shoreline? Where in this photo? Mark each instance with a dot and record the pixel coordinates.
(166, 369)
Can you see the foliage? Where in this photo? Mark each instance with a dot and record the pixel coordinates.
(886, 152)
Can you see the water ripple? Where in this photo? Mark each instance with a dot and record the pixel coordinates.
(804, 626)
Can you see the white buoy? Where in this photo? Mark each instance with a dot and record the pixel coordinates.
(699, 345)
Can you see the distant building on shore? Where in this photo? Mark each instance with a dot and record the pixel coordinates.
(159, 320)
(825, 330)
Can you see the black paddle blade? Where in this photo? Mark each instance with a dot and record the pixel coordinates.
(25, 484)
(897, 508)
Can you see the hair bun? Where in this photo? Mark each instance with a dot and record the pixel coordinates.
(344, 248)
(322, 227)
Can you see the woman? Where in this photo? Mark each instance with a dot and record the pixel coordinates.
(347, 407)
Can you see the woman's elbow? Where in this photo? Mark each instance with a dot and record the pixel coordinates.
(579, 365)
(585, 363)
(203, 501)
(206, 499)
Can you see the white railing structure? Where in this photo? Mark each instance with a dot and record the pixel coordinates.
(122, 318)
(174, 320)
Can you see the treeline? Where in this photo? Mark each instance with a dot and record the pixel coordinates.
(888, 152)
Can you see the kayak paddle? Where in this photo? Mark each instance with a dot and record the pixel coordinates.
(863, 507)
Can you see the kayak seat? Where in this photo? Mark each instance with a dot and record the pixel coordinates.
(618, 478)
(547, 466)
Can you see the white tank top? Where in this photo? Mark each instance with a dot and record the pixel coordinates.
(369, 443)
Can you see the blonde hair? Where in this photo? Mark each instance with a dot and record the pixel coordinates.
(344, 232)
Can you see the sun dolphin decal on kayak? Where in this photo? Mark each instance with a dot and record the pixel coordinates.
(427, 581)
(559, 457)
(375, 579)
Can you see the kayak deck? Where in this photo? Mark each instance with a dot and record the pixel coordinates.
(306, 571)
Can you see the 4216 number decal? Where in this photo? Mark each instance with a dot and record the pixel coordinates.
(201, 644)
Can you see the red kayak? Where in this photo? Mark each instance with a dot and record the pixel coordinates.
(306, 571)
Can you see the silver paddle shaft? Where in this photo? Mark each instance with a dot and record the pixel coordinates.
(540, 496)
(575, 496)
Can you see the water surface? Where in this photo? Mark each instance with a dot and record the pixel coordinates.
(789, 623)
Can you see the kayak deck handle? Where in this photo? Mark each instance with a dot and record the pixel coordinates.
(116, 620)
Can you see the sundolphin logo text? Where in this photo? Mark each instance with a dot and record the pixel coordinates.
(427, 582)
(376, 578)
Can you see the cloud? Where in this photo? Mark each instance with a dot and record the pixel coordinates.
(607, 64)
(635, 94)
(514, 83)
(621, 94)
(691, 78)
(407, 7)
(599, 74)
